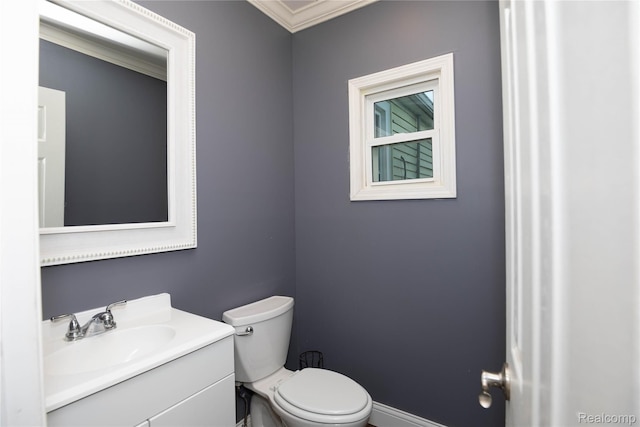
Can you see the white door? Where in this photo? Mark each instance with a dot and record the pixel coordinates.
(528, 214)
(526, 171)
(571, 100)
(21, 386)
(51, 156)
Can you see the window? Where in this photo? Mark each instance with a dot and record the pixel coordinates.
(402, 132)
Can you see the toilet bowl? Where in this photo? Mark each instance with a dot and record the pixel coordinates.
(307, 398)
(312, 397)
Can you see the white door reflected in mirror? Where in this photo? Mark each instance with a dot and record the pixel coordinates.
(51, 156)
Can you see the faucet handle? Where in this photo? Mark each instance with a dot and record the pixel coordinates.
(113, 304)
(107, 317)
(74, 331)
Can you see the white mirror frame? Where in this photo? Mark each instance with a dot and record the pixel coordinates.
(64, 245)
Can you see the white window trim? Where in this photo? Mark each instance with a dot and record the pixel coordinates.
(362, 92)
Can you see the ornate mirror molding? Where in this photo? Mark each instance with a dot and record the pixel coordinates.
(70, 244)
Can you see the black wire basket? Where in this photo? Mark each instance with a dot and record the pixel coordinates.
(311, 359)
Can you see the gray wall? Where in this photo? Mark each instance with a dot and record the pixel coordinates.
(413, 313)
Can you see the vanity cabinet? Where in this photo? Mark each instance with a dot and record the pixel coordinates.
(210, 407)
(193, 390)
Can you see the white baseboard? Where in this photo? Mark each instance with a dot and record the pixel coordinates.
(386, 416)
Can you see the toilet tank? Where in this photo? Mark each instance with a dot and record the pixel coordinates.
(264, 351)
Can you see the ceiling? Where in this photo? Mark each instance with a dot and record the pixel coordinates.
(296, 15)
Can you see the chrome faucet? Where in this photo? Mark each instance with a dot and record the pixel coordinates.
(98, 324)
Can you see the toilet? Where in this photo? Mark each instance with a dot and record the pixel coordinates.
(310, 397)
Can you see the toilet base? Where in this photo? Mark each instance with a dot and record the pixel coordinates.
(262, 415)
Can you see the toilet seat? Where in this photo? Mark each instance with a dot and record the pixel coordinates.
(323, 396)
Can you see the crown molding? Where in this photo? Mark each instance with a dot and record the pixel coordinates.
(309, 15)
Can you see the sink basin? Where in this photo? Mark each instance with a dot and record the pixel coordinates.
(107, 350)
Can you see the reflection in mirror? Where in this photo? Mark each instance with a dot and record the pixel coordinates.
(103, 124)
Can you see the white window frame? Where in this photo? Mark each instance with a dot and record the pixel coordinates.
(432, 74)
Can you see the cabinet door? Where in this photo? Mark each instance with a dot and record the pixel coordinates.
(214, 406)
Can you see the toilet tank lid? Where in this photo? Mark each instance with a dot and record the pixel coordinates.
(258, 311)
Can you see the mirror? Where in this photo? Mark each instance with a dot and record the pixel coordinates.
(104, 157)
(125, 184)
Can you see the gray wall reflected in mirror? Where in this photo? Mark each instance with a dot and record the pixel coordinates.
(116, 139)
